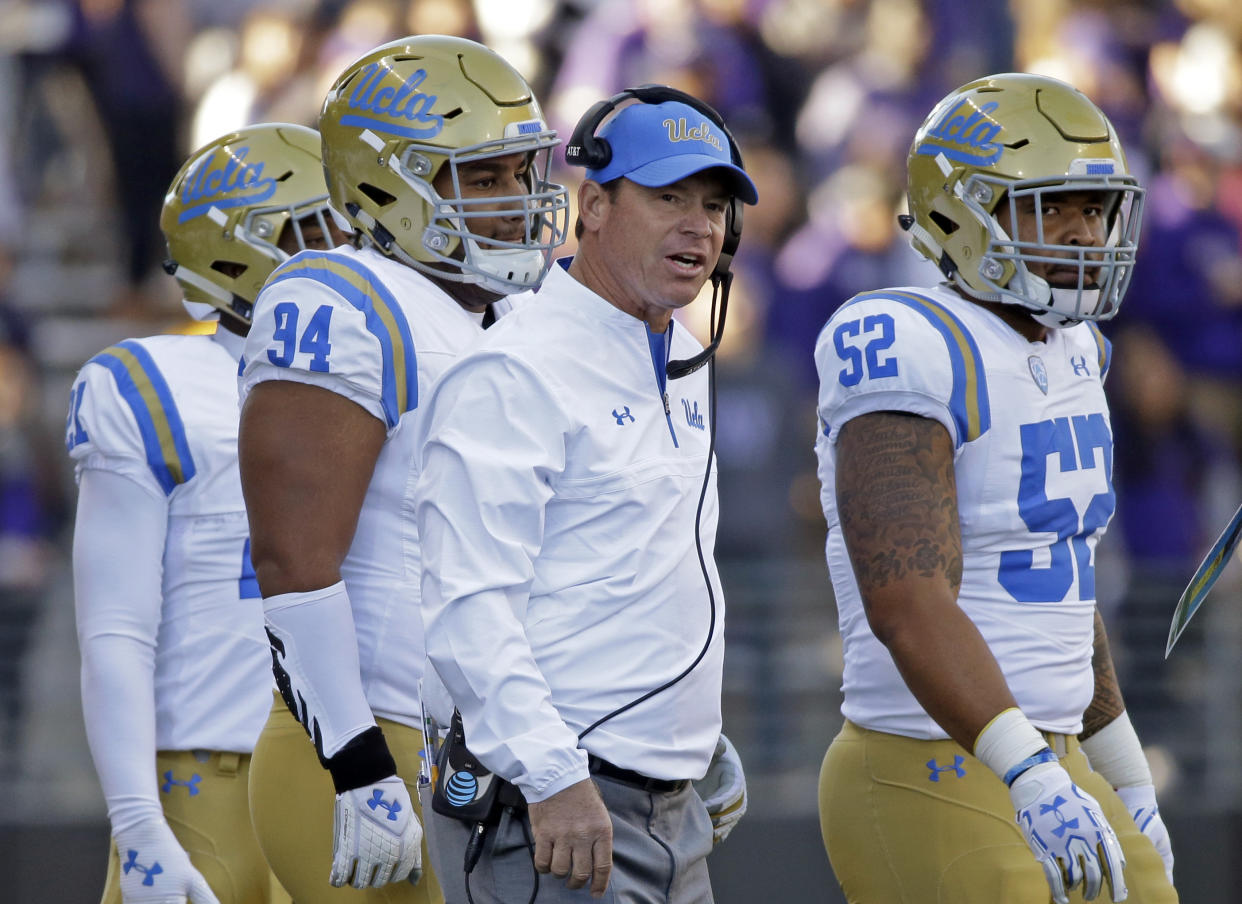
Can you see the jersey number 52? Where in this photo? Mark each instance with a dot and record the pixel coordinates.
(879, 333)
(1078, 443)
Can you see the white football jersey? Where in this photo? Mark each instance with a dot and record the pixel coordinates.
(377, 332)
(162, 411)
(1033, 463)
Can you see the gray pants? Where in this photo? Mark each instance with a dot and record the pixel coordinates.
(660, 844)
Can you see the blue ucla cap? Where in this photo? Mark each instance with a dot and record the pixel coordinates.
(659, 144)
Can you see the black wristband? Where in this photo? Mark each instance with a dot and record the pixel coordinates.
(363, 761)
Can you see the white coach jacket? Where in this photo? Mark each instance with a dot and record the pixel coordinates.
(560, 483)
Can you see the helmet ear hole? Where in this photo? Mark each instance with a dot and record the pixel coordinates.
(231, 269)
(947, 226)
(378, 196)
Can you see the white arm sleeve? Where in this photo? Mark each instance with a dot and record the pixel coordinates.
(316, 650)
(117, 578)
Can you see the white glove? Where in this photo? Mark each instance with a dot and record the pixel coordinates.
(1067, 833)
(378, 837)
(155, 869)
(723, 790)
(1141, 802)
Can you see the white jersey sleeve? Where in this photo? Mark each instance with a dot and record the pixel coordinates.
(900, 351)
(122, 418)
(326, 319)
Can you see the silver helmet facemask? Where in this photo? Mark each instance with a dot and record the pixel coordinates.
(499, 265)
(1104, 271)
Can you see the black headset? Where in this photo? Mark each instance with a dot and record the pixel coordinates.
(587, 149)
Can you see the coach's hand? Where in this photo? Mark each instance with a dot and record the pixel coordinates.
(723, 790)
(573, 837)
(155, 869)
(1140, 800)
(1067, 833)
(378, 837)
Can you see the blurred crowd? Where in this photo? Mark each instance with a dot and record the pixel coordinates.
(101, 99)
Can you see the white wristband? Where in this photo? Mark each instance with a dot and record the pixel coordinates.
(1007, 741)
(1116, 753)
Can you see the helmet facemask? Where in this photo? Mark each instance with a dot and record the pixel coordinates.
(455, 250)
(1103, 271)
(265, 228)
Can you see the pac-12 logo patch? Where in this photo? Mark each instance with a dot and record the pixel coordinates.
(1039, 373)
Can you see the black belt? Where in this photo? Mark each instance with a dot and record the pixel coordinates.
(632, 778)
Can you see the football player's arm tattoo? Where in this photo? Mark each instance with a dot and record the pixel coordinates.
(898, 503)
(1107, 703)
(897, 497)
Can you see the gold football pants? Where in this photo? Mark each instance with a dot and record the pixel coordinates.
(204, 797)
(292, 803)
(924, 822)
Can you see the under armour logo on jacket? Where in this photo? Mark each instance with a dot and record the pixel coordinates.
(621, 416)
(170, 782)
(148, 872)
(377, 801)
(955, 767)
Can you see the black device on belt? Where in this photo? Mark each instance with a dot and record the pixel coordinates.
(602, 767)
(465, 789)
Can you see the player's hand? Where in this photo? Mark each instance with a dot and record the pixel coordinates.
(723, 790)
(378, 837)
(155, 869)
(1067, 833)
(1140, 800)
(573, 837)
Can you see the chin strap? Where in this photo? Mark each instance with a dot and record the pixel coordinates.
(188, 277)
(505, 270)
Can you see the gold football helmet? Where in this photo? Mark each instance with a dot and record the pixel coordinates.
(1007, 137)
(407, 109)
(229, 205)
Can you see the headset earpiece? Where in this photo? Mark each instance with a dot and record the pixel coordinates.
(586, 149)
(732, 238)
